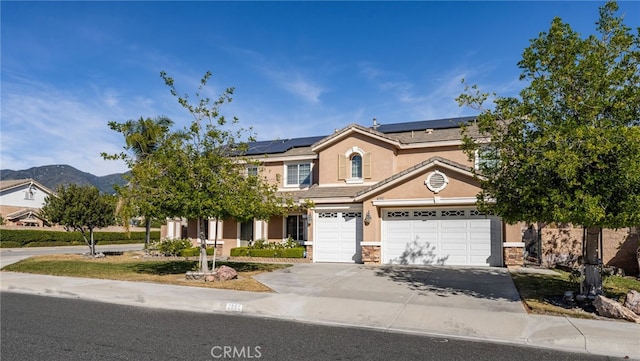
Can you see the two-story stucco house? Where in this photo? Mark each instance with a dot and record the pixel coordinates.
(21, 201)
(393, 193)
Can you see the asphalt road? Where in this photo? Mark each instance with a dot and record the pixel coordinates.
(48, 328)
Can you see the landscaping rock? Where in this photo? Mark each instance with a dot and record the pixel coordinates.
(226, 273)
(211, 277)
(195, 276)
(607, 307)
(633, 301)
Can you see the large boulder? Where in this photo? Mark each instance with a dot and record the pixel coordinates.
(607, 307)
(226, 273)
(633, 301)
(223, 273)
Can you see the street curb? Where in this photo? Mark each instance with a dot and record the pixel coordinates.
(547, 332)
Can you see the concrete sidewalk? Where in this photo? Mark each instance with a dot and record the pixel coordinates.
(617, 339)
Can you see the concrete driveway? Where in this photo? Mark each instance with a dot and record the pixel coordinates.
(488, 289)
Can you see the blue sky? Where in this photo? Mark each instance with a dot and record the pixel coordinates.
(299, 68)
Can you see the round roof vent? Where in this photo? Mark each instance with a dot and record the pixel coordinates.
(436, 181)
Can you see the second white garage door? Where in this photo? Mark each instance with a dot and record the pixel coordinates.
(440, 237)
(337, 236)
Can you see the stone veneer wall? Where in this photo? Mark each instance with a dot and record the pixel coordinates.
(513, 256)
(564, 245)
(309, 250)
(371, 254)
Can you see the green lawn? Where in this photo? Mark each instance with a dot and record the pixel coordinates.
(128, 268)
(538, 291)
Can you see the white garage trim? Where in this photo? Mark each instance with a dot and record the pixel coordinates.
(424, 202)
(440, 236)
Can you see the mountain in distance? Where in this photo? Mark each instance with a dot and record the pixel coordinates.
(51, 176)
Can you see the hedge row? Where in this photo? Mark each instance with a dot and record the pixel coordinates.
(21, 238)
(194, 251)
(269, 253)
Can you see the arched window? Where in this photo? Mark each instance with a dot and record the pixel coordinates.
(356, 166)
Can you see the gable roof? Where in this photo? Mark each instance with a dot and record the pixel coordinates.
(26, 213)
(445, 123)
(400, 177)
(404, 135)
(400, 135)
(280, 145)
(6, 185)
(349, 130)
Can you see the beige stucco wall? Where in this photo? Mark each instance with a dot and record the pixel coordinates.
(382, 158)
(273, 171)
(513, 232)
(460, 185)
(407, 158)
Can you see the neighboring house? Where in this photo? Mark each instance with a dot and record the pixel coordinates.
(21, 201)
(394, 193)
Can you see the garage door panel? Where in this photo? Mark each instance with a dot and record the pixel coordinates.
(453, 224)
(337, 234)
(446, 247)
(449, 237)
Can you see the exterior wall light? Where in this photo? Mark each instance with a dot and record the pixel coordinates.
(367, 218)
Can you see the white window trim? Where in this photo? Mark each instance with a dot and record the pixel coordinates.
(252, 166)
(286, 175)
(348, 154)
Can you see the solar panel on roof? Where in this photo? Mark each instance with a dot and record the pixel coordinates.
(425, 124)
(280, 145)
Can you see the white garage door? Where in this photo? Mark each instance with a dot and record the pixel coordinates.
(440, 237)
(337, 235)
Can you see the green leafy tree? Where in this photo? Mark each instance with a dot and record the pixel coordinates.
(141, 196)
(80, 208)
(204, 171)
(568, 148)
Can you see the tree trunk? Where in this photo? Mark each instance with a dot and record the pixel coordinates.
(204, 266)
(215, 245)
(93, 243)
(147, 236)
(89, 241)
(592, 284)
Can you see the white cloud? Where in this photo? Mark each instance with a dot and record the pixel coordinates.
(44, 125)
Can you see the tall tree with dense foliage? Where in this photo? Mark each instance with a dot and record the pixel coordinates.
(204, 171)
(80, 208)
(568, 148)
(141, 196)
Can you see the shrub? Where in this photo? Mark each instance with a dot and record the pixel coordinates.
(291, 252)
(170, 247)
(54, 244)
(10, 244)
(194, 251)
(262, 253)
(43, 238)
(240, 252)
(268, 253)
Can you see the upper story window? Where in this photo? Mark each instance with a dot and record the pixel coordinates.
(354, 165)
(29, 194)
(298, 174)
(486, 159)
(252, 170)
